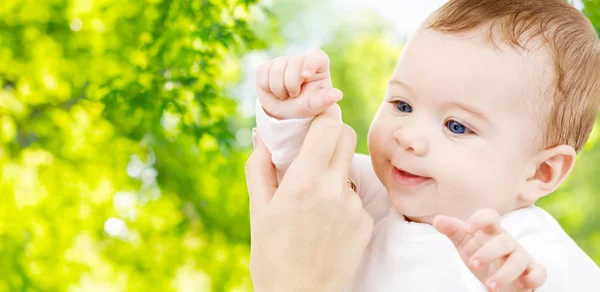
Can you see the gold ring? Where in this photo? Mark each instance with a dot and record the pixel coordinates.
(351, 184)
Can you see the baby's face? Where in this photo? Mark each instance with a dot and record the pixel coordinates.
(459, 126)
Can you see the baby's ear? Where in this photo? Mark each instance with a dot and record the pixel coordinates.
(553, 165)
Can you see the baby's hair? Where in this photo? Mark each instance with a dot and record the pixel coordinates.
(565, 31)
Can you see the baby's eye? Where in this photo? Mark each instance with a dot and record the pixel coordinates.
(403, 107)
(457, 128)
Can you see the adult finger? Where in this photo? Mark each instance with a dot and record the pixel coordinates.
(316, 61)
(453, 228)
(292, 78)
(322, 101)
(510, 270)
(364, 221)
(342, 157)
(261, 177)
(322, 138)
(498, 247)
(276, 77)
(486, 220)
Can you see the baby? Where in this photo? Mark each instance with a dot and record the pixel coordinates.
(484, 114)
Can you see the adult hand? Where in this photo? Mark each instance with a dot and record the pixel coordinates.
(310, 231)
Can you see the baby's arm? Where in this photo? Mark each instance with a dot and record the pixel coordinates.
(291, 92)
(284, 138)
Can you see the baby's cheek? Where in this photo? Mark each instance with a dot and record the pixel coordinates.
(376, 138)
(468, 180)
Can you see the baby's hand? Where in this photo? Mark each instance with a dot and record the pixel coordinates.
(296, 87)
(491, 253)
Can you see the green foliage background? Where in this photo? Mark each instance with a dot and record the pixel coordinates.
(122, 145)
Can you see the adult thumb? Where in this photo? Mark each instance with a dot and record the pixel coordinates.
(319, 103)
(261, 177)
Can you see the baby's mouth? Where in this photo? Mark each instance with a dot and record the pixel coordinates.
(405, 178)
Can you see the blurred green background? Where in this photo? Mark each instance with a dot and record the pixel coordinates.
(125, 126)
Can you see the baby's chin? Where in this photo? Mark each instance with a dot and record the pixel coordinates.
(416, 204)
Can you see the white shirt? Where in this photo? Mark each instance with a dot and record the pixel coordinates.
(407, 256)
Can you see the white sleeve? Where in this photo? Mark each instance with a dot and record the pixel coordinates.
(284, 138)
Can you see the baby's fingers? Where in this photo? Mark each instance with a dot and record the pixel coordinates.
(533, 278)
(452, 227)
(262, 76)
(316, 61)
(293, 80)
(486, 220)
(496, 248)
(514, 266)
(276, 77)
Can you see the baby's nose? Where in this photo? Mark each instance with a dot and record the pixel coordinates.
(411, 140)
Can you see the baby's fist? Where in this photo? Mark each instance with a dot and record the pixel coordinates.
(296, 87)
